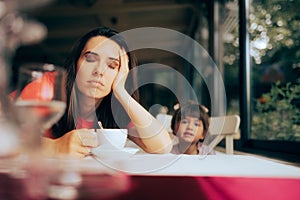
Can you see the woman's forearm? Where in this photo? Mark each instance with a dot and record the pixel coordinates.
(151, 132)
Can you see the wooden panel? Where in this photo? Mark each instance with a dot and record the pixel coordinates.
(68, 20)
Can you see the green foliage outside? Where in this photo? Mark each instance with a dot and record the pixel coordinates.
(275, 41)
(278, 114)
(275, 37)
(274, 44)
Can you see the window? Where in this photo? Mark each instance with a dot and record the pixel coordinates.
(275, 64)
(258, 54)
(274, 55)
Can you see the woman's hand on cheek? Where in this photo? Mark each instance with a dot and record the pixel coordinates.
(120, 79)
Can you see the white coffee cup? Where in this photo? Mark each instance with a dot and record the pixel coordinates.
(111, 138)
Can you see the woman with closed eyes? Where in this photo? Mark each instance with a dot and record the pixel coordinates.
(97, 70)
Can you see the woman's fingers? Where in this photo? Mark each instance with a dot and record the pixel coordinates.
(82, 143)
(88, 138)
(84, 151)
(120, 79)
(124, 60)
(77, 143)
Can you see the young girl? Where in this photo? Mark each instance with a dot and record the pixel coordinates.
(190, 124)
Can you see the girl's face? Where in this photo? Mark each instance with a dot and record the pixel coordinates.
(190, 129)
(97, 67)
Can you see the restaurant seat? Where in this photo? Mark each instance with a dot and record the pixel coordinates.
(223, 127)
(165, 119)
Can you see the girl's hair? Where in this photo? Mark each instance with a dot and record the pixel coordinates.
(104, 110)
(191, 109)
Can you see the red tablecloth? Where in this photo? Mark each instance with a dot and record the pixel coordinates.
(188, 187)
(168, 187)
(174, 187)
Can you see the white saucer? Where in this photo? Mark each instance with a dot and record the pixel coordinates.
(115, 153)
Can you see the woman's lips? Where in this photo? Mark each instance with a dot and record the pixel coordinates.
(96, 83)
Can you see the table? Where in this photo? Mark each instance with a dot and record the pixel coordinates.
(179, 177)
(194, 165)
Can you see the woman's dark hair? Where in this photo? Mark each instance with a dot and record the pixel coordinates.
(104, 111)
(190, 109)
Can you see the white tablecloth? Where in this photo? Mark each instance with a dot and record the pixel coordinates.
(190, 165)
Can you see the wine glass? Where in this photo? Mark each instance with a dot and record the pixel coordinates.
(40, 95)
(40, 102)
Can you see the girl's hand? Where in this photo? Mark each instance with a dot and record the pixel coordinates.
(120, 79)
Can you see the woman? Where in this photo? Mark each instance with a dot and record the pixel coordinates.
(96, 74)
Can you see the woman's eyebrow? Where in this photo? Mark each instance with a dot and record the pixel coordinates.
(96, 54)
(114, 59)
(90, 52)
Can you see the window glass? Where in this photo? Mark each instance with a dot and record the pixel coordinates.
(230, 59)
(275, 70)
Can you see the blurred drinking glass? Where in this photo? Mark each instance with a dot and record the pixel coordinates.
(40, 99)
(40, 102)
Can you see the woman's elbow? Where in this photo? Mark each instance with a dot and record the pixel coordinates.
(161, 148)
(165, 149)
